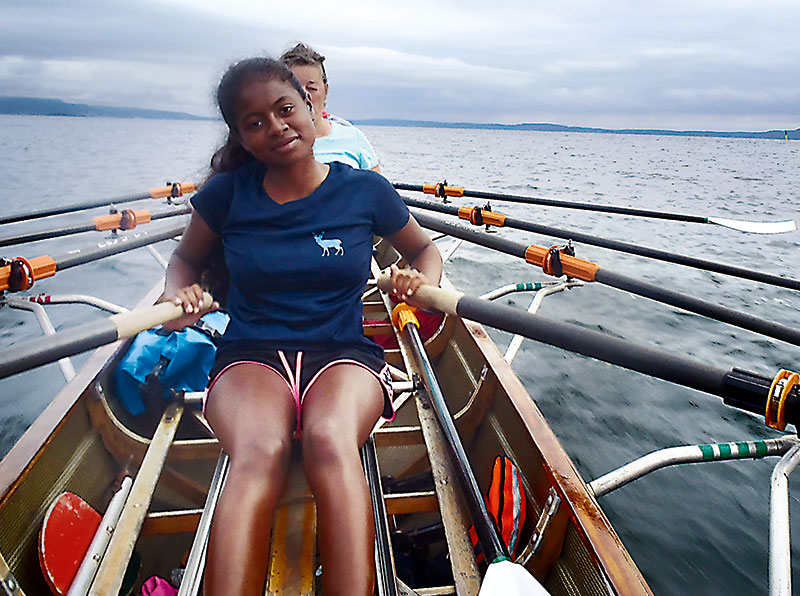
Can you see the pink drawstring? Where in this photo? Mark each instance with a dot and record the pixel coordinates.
(294, 385)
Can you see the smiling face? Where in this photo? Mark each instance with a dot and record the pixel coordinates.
(312, 80)
(274, 123)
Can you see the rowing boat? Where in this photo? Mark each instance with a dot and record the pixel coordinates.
(85, 442)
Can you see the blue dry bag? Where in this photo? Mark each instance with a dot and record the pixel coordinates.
(159, 361)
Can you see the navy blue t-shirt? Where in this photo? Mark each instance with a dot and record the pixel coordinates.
(298, 270)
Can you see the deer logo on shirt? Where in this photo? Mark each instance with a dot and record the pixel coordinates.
(328, 244)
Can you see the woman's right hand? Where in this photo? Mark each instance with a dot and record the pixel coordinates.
(191, 299)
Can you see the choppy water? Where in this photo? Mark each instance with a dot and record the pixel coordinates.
(692, 530)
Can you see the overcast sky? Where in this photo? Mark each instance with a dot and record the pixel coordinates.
(680, 64)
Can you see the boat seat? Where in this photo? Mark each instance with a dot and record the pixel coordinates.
(293, 560)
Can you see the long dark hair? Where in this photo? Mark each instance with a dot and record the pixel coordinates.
(232, 155)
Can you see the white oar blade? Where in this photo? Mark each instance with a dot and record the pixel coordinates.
(755, 227)
(505, 578)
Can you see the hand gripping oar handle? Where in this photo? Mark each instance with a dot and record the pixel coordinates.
(68, 342)
(738, 388)
(499, 580)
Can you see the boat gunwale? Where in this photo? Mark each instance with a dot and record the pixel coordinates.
(594, 528)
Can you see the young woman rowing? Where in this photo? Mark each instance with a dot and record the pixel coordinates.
(297, 238)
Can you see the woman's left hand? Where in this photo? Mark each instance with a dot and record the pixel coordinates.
(405, 282)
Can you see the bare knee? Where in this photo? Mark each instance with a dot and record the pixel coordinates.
(326, 445)
(262, 458)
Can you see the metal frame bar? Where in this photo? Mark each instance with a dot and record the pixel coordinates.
(538, 297)
(65, 364)
(688, 454)
(193, 575)
(77, 299)
(780, 546)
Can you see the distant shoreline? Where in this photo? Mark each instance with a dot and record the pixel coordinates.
(35, 106)
(793, 135)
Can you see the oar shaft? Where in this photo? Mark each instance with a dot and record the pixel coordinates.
(510, 198)
(626, 247)
(739, 388)
(78, 229)
(176, 190)
(634, 286)
(657, 363)
(585, 206)
(699, 306)
(46, 266)
(43, 350)
(120, 244)
(493, 546)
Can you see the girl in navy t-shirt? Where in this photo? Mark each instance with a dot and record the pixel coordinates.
(297, 239)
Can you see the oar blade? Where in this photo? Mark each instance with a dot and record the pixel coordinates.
(505, 578)
(755, 227)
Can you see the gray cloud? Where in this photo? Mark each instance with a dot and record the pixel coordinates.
(614, 63)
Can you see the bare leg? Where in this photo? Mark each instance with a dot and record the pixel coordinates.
(339, 411)
(253, 415)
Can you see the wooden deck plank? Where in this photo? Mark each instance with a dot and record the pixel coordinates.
(294, 538)
(171, 522)
(402, 503)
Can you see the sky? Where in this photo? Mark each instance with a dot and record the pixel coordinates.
(676, 64)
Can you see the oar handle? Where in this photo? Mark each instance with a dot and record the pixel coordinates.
(428, 296)
(132, 322)
(81, 338)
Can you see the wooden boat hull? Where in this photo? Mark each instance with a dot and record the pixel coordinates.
(84, 441)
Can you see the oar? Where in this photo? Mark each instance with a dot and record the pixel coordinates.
(125, 220)
(482, 216)
(777, 399)
(754, 227)
(172, 190)
(19, 274)
(503, 578)
(81, 338)
(588, 271)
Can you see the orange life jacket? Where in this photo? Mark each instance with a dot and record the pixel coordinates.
(506, 504)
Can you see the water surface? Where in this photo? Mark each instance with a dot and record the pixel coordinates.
(700, 529)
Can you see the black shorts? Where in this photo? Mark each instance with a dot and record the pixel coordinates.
(299, 369)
